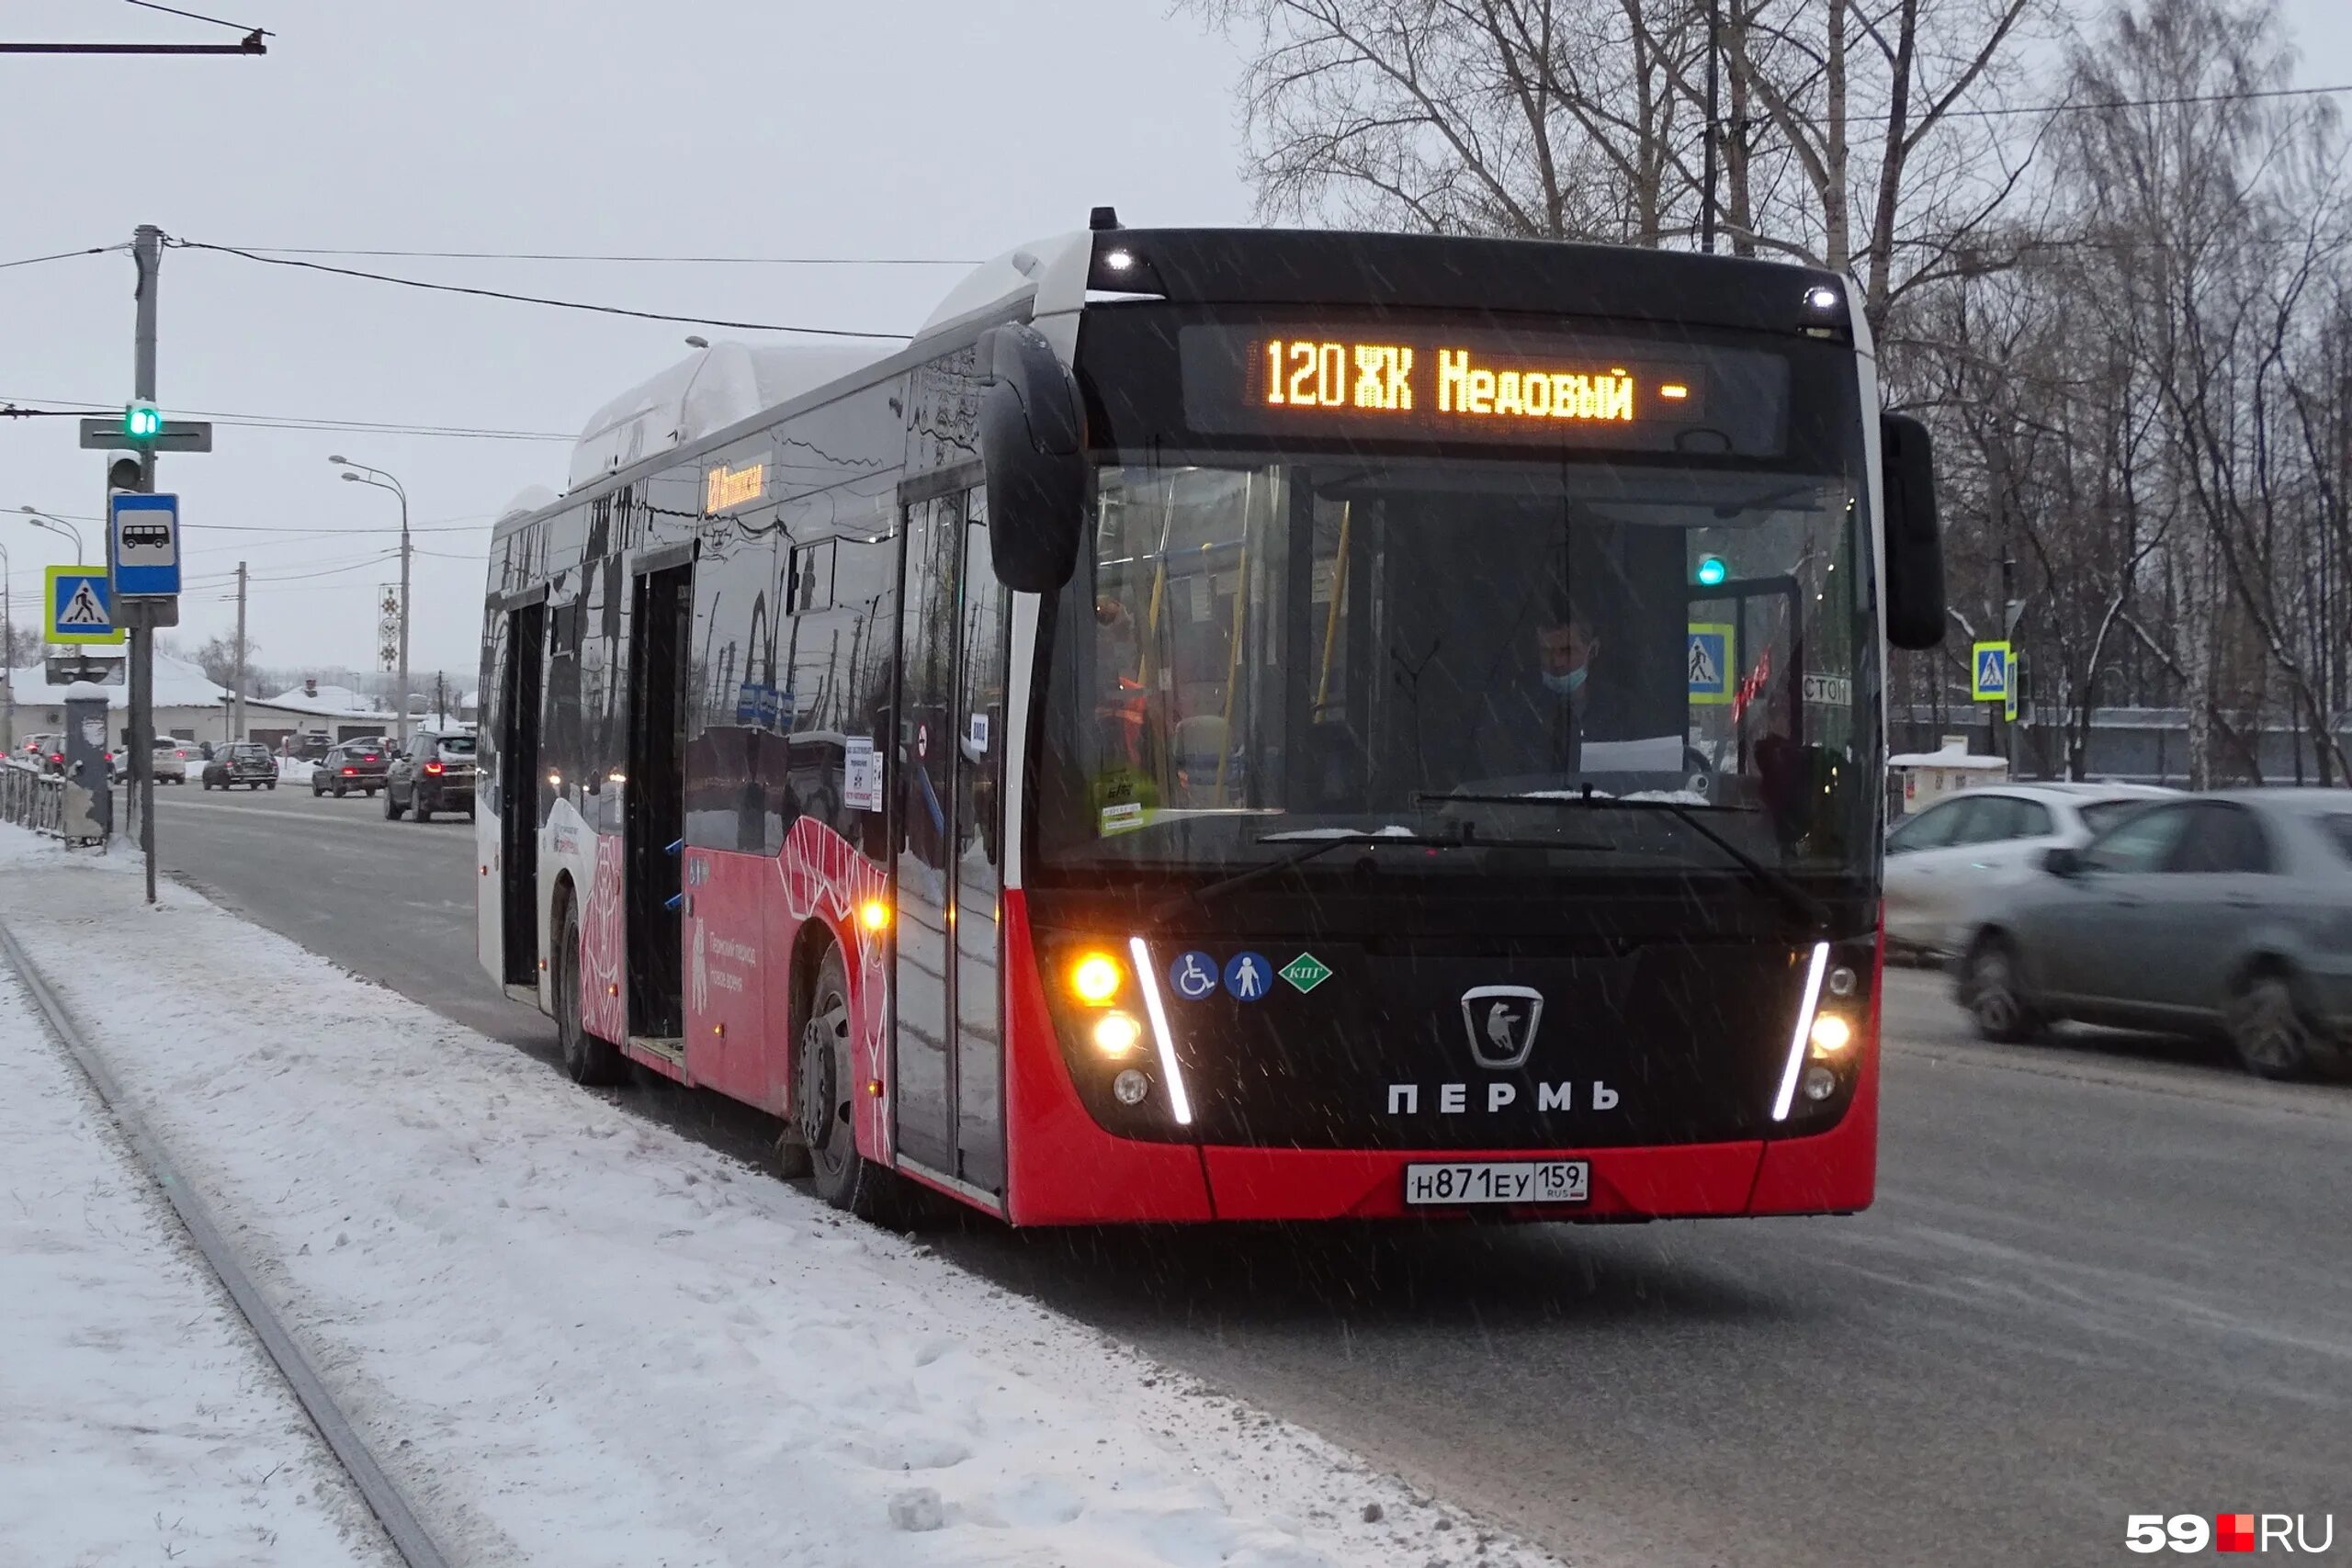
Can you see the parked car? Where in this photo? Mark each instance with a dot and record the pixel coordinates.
(2228, 913)
(1944, 863)
(246, 763)
(355, 764)
(172, 758)
(311, 746)
(435, 774)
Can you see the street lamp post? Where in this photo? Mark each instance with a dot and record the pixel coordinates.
(57, 526)
(7, 659)
(382, 480)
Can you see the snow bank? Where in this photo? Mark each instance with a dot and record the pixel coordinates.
(575, 1338)
(139, 1422)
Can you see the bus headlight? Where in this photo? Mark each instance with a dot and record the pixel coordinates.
(1831, 1034)
(1116, 1033)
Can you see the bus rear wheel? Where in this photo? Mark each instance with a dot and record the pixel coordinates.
(587, 1059)
(823, 1098)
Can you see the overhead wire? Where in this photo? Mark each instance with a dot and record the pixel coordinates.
(532, 299)
(61, 255)
(602, 256)
(196, 16)
(310, 422)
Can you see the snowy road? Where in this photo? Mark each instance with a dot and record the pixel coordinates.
(2100, 1279)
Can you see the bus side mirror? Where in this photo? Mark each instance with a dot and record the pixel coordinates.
(1915, 546)
(1032, 447)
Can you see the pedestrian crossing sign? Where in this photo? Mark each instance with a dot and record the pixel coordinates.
(81, 606)
(1988, 667)
(1710, 656)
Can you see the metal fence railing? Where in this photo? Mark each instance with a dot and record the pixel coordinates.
(30, 797)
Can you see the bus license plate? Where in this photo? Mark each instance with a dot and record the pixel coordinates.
(1498, 1181)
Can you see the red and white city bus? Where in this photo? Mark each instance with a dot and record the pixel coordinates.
(1236, 725)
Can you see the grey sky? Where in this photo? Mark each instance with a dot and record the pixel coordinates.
(709, 127)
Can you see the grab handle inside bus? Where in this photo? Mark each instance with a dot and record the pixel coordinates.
(1033, 445)
(1914, 546)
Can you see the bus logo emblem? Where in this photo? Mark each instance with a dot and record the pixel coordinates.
(1306, 972)
(1501, 1022)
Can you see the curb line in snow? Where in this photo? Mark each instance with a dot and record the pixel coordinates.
(408, 1537)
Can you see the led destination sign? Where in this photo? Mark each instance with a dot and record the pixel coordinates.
(1463, 383)
(1481, 384)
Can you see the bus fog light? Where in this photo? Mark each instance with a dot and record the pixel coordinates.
(1130, 1087)
(1116, 1033)
(1820, 1083)
(1841, 981)
(1831, 1034)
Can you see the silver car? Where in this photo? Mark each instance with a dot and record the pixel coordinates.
(172, 759)
(1944, 864)
(2228, 913)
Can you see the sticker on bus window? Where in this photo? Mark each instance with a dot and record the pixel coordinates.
(1124, 817)
(979, 734)
(861, 774)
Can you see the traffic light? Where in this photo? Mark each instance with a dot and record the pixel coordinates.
(141, 421)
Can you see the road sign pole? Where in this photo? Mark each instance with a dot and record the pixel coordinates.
(147, 253)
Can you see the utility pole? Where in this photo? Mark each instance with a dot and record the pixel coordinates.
(147, 253)
(440, 699)
(401, 695)
(237, 709)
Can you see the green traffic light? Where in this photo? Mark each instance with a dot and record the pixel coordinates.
(143, 422)
(1712, 571)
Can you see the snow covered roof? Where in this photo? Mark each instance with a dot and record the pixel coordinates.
(178, 683)
(1954, 754)
(707, 392)
(328, 702)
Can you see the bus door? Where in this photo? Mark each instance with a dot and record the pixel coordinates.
(519, 701)
(653, 821)
(947, 997)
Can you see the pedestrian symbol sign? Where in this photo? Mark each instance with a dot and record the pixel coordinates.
(1306, 972)
(1709, 657)
(1989, 673)
(81, 606)
(1247, 975)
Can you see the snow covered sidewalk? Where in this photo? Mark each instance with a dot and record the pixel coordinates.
(576, 1338)
(139, 1422)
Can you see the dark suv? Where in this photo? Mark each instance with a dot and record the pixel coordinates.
(247, 763)
(355, 764)
(435, 774)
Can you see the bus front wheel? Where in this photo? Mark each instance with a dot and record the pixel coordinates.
(823, 1099)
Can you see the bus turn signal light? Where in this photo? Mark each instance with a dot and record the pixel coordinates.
(1096, 978)
(874, 914)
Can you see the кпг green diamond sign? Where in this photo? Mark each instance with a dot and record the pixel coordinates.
(1306, 972)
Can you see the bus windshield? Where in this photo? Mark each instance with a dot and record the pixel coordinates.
(1254, 654)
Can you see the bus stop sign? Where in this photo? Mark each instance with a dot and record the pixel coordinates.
(144, 531)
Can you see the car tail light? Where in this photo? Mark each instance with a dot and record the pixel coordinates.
(350, 772)
(433, 767)
(58, 757)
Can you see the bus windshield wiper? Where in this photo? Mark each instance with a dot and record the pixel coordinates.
(1316, 842)
(1779, 883)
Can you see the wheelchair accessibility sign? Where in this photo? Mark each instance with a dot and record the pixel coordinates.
(1708, 657)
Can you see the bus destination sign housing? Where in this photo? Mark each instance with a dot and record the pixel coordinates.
(1479, 384)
